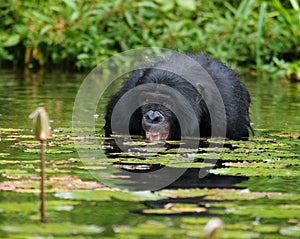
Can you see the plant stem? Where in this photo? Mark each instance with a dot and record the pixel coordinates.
(42, 192)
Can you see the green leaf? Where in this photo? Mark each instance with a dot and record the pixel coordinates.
(45, 29)
(39, 16)
(129, 18)
(295, 4)
(168, 6)
(83, 56)
(250, 172)
(55, 229)
(12, 41)
(71, 4)
(89, 195)
(187, 4)
(293, 231)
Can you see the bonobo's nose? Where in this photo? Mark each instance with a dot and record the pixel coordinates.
(152, 118)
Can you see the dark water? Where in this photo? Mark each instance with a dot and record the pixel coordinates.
(275, 104)
(275, 109)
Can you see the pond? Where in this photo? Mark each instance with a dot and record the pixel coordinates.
(254, 188)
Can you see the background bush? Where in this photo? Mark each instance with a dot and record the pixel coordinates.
(82, 33)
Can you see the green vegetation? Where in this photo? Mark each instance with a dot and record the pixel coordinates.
(265, 206)
(82, 33)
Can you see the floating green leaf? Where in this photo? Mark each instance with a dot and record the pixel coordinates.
(106, 195)
(293, 231)
(66, 229)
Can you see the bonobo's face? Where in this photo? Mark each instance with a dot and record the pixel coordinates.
(157, 118)
(155, 122)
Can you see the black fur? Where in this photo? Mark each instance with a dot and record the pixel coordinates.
(234, 95)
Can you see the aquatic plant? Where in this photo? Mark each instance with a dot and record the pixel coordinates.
(41, 131)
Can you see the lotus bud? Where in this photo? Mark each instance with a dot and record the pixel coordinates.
(41, 127)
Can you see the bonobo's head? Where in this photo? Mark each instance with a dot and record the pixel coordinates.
(169, 106)
(157, 119)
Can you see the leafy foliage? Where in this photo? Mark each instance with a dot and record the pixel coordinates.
(85, 32)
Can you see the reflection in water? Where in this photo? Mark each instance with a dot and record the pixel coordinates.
(275, 105)
(147, 166)
(189, 179)
(23, 91)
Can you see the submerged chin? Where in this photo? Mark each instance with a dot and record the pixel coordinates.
(154, 136)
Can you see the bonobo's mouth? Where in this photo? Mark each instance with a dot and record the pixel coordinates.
(155, 125)
(156, 136)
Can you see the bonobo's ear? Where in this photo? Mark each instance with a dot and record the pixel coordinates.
(205, 95)
(199, 96)
(137, 74)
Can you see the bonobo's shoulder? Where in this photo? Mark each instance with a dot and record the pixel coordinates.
(206, 61)
(183, 62)
(183, 59)
(214, 67)
(177, 58)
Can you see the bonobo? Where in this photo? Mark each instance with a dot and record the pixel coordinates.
(180, 96)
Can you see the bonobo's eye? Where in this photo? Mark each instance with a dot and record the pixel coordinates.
(143, 99)
(167, 104)
(155, 98)
(146, 98)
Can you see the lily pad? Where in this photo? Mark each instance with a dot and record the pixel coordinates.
(250, 172)
(176, 208)
(60, 229)
(17, 207)
(106, 195)
(293, 231)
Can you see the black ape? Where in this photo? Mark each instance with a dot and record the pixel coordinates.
(180, 96)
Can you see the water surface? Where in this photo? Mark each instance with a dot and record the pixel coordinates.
(255, 191)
